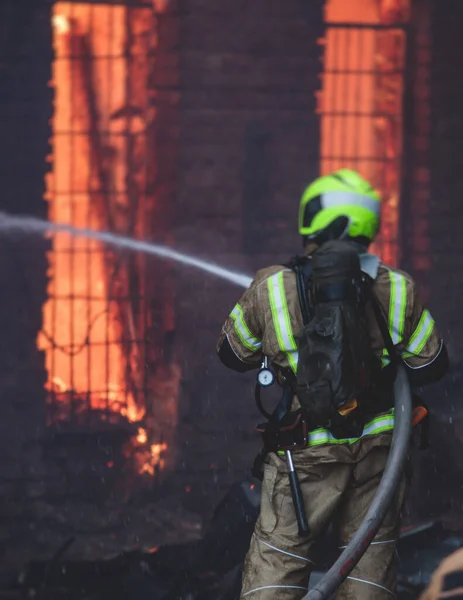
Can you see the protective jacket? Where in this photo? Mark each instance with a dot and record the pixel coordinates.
(267, 319)
(337, 476)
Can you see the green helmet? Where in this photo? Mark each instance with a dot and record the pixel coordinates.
(340, 204)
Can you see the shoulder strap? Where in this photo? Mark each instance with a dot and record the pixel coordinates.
(302, 269)
(302, 292)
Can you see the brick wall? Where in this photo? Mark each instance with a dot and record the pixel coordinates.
(416, 166)
(436, 243)
(249, 142)
(236, 138)
(25, 110)
(446, 216)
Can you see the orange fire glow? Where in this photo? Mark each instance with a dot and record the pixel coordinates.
(80, 336)
(150, 457)
(85, 322)
(61, 24)
(348, 89)
(154, 461)
(361, 103)
(142, 436)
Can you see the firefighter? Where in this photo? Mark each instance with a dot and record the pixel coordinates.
(447, 580)
(338, 477)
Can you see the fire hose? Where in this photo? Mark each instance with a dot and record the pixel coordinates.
(383, 498)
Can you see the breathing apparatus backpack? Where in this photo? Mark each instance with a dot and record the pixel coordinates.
(339, 380)
(336, 368)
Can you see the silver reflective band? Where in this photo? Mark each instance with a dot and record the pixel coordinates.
(405, 355)
(273, 587)
(330, 199)
(281, 318)
(374, 543)
(243, 331)
(283, 551)
(378, 425)
(371, 583)
(421, 334)
(397, 306)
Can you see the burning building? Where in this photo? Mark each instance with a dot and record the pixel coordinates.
(109, 316)
(192, 123)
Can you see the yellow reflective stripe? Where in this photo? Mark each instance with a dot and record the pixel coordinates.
(397, 312)
(421, 334)
(385, 358)
(274, 309)
(243, 331)
(284, 304)
(281, 318)
(380, 424)
(397, 306)
(374, 427)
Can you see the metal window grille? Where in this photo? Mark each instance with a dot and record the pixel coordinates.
(104, 319)
(362, 112)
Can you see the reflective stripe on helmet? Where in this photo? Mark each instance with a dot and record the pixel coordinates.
(243, 331)
(341, 194)
(330, 199)
(281, 319)
(421, 335)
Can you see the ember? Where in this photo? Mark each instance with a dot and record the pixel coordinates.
(149, 457)
(61, 23)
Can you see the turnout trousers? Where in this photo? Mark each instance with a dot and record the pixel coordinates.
(338, 483)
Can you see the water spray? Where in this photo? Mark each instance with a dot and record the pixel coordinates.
(17, 224)
(375, 515)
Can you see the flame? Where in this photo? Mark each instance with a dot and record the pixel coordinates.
(81, 337)
(132, 412)
(150, 458)
(155, 461)
(61, 23)
(142, 436)
(57, 384)
(83, 334)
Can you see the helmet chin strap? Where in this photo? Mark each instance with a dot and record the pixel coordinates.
(345, 234)
(362, 243)
(336, 230)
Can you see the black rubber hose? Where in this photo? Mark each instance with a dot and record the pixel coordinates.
(384, 495)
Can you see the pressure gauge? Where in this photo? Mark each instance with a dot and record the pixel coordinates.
(265, 376)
